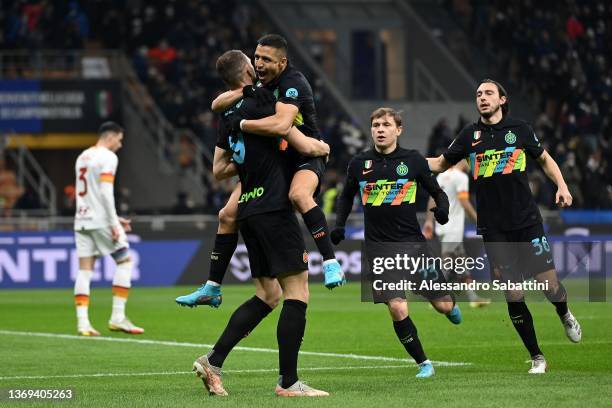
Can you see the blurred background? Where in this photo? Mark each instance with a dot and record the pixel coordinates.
(67, 66)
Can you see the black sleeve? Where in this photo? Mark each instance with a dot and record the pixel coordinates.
(223, 134)
(295, 90)
(531, 144)
(459, 150)
(428, 181)
(345, 199)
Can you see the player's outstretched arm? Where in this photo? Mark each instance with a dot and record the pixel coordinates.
(430, 183)
(563, 198)
(344, 205)
(428, 225)
(226, 100)
(438, 164)
(223, 167)
(278, 124)
(305, 145)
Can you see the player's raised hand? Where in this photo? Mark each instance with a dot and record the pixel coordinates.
(324, 149)
(337, 235)
(428, 229)
(126, 224)
(440, 214)
(563, 198)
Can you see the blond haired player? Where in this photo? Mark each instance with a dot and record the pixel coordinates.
(99, 231)
(456, 185)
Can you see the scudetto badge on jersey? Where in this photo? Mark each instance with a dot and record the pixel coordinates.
(510, 137)
(402, 169)
(476, 134)
(368, 164)
(291, 93)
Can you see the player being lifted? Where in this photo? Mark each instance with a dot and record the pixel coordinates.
(456, 185)
(294, 106)
(497, 148)
(273, 239)
(387, 177)
(99, 231)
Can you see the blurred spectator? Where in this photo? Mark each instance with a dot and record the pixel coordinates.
(439, 140)
(560, 56)
(10, 190)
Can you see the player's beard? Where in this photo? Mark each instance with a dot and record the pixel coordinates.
(487, 115)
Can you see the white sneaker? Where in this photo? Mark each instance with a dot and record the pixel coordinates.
(125, 326)
(572, 327)
(299, 389)
(538, 365)
(87, 331)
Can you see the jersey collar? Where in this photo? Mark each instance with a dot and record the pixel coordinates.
(391, 155)
(277, 80)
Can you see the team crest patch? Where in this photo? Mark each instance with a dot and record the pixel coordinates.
(305, 257)
(368, 164)
(510, 137)
(291, 93)
(476, 134)
(402, 169)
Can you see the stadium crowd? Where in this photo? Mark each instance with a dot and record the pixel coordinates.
(174, 46)
(559, 54)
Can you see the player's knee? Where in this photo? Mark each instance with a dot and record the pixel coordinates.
(556, 293)
(443, 306)
(300, 198)
(398, 309)
(227, 218)
(272, 296)
(515, 296)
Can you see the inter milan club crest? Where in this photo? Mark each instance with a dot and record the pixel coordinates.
(402, 169)
(510, 137)
(476, 134)
(368, 164)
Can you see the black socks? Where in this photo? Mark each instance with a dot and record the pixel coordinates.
(523, 323)
(559, 299)
(243, 320)
(317, 226)
(289, 334)
(225, 245)
(407, 334)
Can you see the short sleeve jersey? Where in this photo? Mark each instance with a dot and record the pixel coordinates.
(498, 157)
(94, 166)
(261, 166)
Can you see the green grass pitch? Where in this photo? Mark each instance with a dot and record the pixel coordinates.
(154, 369)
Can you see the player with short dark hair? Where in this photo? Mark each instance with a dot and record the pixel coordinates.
(237, 72)
(277, 254)
(294, 107)
(387, 177)
(99, 231)
(497, 148)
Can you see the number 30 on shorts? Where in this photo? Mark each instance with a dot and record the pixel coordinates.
(541, 244)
